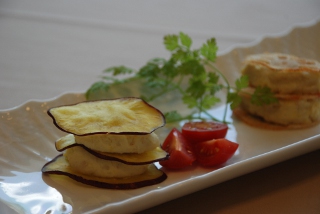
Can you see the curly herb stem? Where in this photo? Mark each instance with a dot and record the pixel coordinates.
(227, 87)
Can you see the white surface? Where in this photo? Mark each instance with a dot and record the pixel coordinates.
(51, 47)
(25, 190)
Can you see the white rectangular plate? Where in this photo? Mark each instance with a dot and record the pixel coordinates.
(27, 137)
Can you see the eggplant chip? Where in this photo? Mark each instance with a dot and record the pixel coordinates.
(154, 155)
(60, 166)
(118, 116)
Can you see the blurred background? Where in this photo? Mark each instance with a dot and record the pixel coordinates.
(61, 46)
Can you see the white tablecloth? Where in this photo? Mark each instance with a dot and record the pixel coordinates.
(51, 47)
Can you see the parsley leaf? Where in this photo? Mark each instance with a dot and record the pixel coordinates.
(209, 101)
(173, 116)
(116, 70)
(209, 49)
(185, 40)
(171, 42)
(190, 101)
(263, 96)
(233, 97)
(96, 88)
(242, 82)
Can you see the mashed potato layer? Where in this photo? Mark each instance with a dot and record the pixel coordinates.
(119, 143)
(282, 73)
(82, 161)
(287, 111)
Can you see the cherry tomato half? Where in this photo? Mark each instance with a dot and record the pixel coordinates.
(214, 152)
(179, 149)
(204, 130)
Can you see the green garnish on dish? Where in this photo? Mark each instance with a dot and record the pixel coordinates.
(190, 72)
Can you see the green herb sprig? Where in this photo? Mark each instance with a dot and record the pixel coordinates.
(185, 65)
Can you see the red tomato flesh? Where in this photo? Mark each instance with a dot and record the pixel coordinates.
(202, 131)
(179, 149)
(214, 152)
